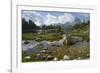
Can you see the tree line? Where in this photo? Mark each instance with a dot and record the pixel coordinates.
(30, 26)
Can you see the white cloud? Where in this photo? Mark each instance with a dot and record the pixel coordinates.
(34, 16)
(66, 18)
(28, 15)
(48, 19)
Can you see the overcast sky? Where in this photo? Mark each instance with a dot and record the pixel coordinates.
(47, 17)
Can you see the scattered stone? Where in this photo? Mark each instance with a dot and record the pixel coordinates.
(73, 39)
(66, 57)
(38, 54)
(61, 60)
(44, 57)
(49, 57)
(43, 51)
(88, 55)
(79, 58)
(55, 59)
(26, 42)
(74, 59)
(27, 57)
(41, 57)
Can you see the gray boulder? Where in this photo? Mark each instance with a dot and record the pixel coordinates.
(73, 39)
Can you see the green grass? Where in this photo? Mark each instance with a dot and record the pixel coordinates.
(41, 37)
(80, 33)
(72, 52)
(33, 56)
